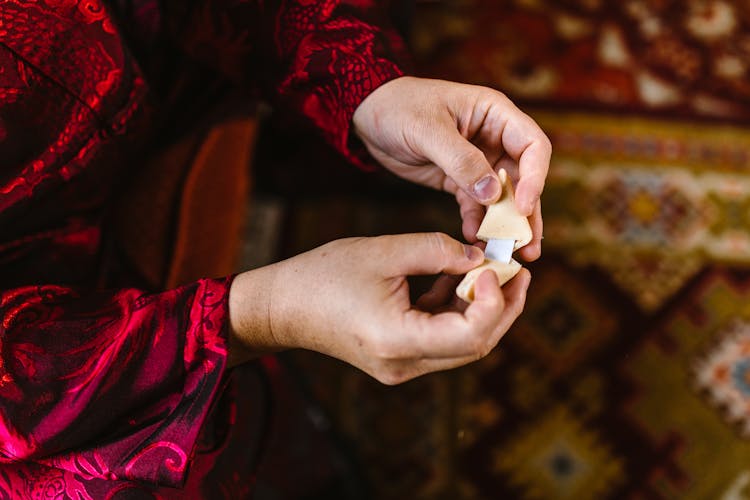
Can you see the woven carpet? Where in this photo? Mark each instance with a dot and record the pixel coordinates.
(628, 375)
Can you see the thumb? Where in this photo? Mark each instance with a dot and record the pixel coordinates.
(463, 162)
(425, 253)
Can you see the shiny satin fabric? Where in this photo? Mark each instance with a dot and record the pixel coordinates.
(104, 387)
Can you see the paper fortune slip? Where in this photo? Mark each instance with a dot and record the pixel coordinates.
(505, 230)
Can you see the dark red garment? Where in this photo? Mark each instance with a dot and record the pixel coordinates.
(105, 390)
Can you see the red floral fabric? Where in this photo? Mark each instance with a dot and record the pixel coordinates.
(104, 389)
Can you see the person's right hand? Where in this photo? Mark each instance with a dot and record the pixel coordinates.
(350, 299)
(456, 137)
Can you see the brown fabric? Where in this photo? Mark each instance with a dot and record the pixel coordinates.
(213, 206)
(181, 218)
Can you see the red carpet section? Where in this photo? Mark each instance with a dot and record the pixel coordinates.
(681, 58)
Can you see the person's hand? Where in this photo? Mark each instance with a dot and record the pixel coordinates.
(350, 299)
(456, 137)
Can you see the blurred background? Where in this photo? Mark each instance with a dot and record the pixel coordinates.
(628, 375)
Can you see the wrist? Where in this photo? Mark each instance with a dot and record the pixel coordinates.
(250, 329)
(366, 119)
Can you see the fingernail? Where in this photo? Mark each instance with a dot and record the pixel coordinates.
(473, 253)
(487, 188)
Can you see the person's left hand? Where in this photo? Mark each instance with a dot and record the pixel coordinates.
(455, 137)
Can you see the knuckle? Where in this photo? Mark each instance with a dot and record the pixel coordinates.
(442, 239)
(446, 248)
(343, 245)
(492, 94)
(384, 349)
(390, 377)
(486, 347)
(489, 345)
(545, 144)
(468, 162)
(479, 346)
(379, 241)
(483, 353)
(518, 307)
(494, 303)
(441, 242)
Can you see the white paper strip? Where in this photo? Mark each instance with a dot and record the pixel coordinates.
(499, 250)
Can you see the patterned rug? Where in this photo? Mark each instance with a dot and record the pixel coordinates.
(628, 375)
(684, 58)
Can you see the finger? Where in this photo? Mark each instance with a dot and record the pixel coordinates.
(489, 301)
(449, 185)
(425, 366)
(463, 162)
(514, 297)
(452, 334)
(398, 372)
(440, 294)
(527, 144)
(533, 250)
(472, 214)
(423, 253)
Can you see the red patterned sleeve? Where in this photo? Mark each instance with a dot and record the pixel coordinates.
(124, 378)
(319, 59)
(333, 54)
